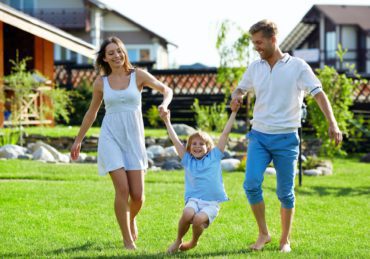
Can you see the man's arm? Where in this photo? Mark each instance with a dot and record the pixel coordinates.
(324, 104)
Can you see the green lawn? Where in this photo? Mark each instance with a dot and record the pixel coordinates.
(51, 210)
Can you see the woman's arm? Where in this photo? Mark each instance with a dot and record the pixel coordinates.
(146, 79)
(89, 117)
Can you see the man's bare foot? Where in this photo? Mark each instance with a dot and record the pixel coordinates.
(285, 248)
(187, 246)
(134, 231)
(261, 242)
(129, 245)
(174, 247)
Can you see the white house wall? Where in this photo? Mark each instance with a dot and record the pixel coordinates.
(114, 23)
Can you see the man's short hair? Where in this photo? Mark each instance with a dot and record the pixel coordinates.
(267, 27)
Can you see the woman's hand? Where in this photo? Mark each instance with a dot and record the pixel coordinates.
(75, 150)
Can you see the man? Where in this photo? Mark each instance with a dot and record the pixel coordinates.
(279, 82)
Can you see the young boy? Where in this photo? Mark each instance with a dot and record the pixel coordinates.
(204, 188)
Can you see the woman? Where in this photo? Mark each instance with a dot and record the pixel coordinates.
(121, 147)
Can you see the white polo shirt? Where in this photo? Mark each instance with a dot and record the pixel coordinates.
(279, 93)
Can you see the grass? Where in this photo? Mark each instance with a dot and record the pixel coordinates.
(71, 131)
(52, 210)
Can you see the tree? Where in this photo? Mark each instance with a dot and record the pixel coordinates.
(339, 89)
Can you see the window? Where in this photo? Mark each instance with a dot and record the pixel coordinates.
(331, 45)
(138, 54)
(26, 6)
(144, 55)
(133, 55)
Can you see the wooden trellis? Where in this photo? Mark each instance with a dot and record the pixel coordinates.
(30, 111)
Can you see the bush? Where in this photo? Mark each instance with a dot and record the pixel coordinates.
(80, 100)
(210, 118)
(153, 116)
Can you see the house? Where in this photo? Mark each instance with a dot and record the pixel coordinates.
(93, 21)
(30, 37)
(323, 27)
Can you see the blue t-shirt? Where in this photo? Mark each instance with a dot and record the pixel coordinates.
(203, 177)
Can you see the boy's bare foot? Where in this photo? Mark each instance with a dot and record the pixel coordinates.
(129, 245)
(285, 248)
(261, 242)
(134, 231)
(174, 247)
(187, 246)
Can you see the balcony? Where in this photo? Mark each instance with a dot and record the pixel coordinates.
(64, 18)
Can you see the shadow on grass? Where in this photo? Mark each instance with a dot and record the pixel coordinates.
(91, 247)
(226, 254)
(333, 191)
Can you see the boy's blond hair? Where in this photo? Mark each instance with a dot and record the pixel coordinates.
(203, 136)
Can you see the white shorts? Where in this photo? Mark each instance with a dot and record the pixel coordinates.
(211, 208)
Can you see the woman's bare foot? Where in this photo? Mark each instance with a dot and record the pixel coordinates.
(261, 242)
(129, 245)
(174, 247)
(187, 246)
(285, 248)
(134, 231)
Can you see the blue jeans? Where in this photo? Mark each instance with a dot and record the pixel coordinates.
(263, 148)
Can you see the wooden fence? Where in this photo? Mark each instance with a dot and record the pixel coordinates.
(187, 85)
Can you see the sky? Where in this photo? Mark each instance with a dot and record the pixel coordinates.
(193, 24)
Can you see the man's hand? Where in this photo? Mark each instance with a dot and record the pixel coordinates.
(335, 133)
(234, 105)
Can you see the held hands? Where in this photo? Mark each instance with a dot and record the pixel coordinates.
(234, 106)
(164, 113)
(335, 134)
(75, 150)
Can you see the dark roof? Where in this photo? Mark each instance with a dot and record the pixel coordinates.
(337, 14)
(347, 14)
(104, 6)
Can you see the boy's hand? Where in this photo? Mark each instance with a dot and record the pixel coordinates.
(165, 115)
(234, 105)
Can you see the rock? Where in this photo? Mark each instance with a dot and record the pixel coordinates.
(270, 171)
(325, 170)
(12, 151)
(172, 165)
(58, 157)
(25, 157)
(170, 152)
(230, 164)
(149, 154)
(43, 154)
(327, 164)
(90, 159)
(241, 127)
(312, 172)
(365, 158)
(228, 154)
(183, 129)
(156, 150)
(149, 142)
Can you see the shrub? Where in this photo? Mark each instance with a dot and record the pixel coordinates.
(210, 118)
(153, 116)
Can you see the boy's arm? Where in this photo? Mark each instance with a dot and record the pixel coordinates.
(165, 115)
(225, 134)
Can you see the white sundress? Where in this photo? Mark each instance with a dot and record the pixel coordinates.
(121, 141)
